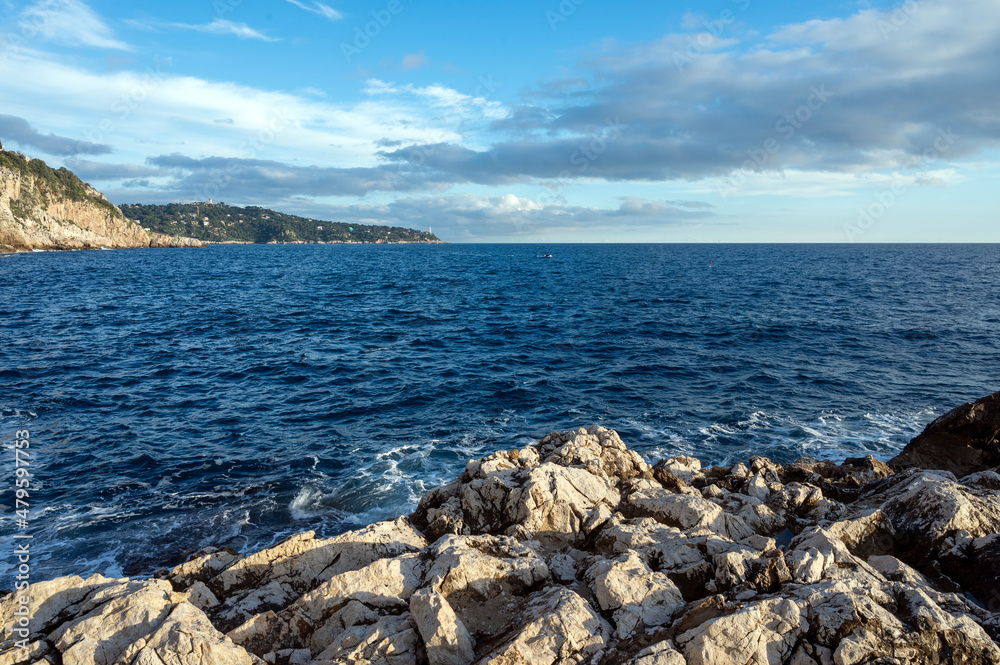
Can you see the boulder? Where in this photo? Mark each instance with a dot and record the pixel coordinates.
(484, 578)
(636, 595)
(304, 562)
(555, 626)
(446, 639)
(392, 640)
(99, 621)
(963, 441)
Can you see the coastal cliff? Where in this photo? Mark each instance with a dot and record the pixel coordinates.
(45, 208)
(575, 550)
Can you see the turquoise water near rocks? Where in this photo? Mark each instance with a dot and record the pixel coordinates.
(236, 394)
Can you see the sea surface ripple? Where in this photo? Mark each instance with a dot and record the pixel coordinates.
(236, 394)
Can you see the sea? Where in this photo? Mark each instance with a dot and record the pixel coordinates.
(234, 395)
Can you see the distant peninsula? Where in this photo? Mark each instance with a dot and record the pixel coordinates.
(42, 208)
(220, 223)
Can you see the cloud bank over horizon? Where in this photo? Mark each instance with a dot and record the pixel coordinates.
(751, 124)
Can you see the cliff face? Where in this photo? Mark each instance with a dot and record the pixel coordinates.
(44, 208)
(575, 551)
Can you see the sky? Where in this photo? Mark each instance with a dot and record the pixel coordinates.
(521, 121)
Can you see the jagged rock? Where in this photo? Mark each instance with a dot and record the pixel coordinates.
(274, 595)
(662, 653)
(202, 567)
(393, 640)
(41, 208)
(122, 616)
(483, 578)
(201, 597)
(53, 601)
(556, 504)
(321, 616)
(688, 469)
(760, 634)
(187, 637)
(796, 498)
(446, 638)
(894, 569)
(975, 565)
(563, 568)
(99, 621)
(636, 595)
(742, 567)
(598, 450)
(864, 470)
(303, 562)
(931, 505)
(663, 548)
(963, 441)
(561, 506)
(684, 512)
(669, 481)
(810, 563)
(384, 584)
(556, 626)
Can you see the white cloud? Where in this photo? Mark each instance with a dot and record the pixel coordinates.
(475, 217)
(319, 8)
(441, 97)
(68, 22)
(873, 92)
(152, 110)
(223, 27)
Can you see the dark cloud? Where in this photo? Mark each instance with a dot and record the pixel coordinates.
(874, 91)
(20, 131)
(266, 180)
(88, 170)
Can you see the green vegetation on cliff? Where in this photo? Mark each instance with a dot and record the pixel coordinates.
(54, 184)
(218, 222)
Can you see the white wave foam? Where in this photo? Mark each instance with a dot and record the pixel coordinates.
(307, 503)
(830, 435)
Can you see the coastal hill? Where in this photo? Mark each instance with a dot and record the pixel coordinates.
(46, 208)
(218, 222)
(576, 551)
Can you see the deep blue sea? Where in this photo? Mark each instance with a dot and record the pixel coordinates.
(236, 394)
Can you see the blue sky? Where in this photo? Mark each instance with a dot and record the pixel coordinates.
(572, 121)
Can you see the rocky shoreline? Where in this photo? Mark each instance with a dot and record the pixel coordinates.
(51, 209)
(575, 550)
